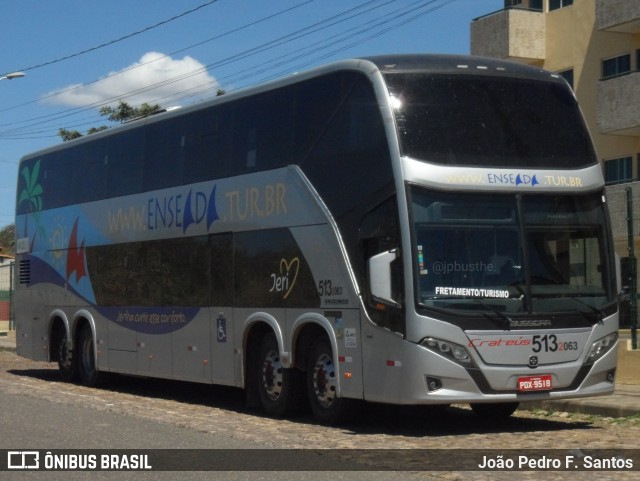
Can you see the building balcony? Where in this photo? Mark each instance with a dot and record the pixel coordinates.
(619, 105)
(618, 16)
(514, 33)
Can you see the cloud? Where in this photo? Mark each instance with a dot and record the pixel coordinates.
(155, 79)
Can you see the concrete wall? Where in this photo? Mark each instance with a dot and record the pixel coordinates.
(514, 33)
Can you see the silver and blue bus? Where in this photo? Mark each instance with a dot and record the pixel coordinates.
(415, 229)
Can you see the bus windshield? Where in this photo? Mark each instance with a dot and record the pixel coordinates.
(511, 253)
(460, 120)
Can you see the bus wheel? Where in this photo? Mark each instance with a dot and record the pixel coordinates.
(279, 388)
(327, 407)
(66, 359)
(86, 357)
(494, 410)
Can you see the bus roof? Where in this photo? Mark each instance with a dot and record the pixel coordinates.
(457, 64)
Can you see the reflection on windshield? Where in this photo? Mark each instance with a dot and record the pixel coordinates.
(514, 121)
(510, 255)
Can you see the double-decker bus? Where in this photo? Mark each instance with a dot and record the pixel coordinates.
(408, 229)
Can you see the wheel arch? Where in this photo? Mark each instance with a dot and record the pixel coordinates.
(305, 330)
(81, 318)
(58, 327)
(255, 327)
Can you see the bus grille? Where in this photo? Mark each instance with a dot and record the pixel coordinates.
(24, 272)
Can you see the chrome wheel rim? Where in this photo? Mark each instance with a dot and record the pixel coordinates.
(272, 375)
(324, 381)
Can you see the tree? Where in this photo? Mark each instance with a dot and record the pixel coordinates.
(7, 239)
(68, 135)
(124, 111)
(121, 113)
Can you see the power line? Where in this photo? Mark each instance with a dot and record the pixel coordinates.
(401, 16)
(125, 37)
(247, 53)
(217, 37)
(355, 35)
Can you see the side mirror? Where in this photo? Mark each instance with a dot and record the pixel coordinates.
(381, 278)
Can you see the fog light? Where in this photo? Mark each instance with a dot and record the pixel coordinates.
(611, 376)
(433, 384)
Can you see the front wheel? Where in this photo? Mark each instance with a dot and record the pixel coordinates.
(86, 358)
(322, 382)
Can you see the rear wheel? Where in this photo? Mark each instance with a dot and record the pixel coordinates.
(322, 384)
(86, 358)
(280, 389)
(494, 410)
(66, 359)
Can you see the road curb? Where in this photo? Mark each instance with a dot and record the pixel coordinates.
(582, 406)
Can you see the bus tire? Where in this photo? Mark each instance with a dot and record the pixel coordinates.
(280, 390)
(327, 407)
(67, 364)
(494, 410)
(86, 359)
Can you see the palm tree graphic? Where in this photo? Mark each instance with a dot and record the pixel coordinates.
(32, 193)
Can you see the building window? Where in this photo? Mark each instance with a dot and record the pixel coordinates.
(524, 4)
(556, 4)
(568, 76)
(618, 171)
(620, 65)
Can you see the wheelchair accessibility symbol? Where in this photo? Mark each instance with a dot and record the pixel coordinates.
(222, 329)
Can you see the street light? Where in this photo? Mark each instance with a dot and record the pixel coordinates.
(12, 75)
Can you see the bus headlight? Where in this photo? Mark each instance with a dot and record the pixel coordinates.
(448, 349)
(601, 347)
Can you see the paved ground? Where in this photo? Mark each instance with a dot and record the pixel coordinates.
(218, 411)
(624, 402)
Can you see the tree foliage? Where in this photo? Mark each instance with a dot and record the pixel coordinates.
(7, 239)
(122, 113)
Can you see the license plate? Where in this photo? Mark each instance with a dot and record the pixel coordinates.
(535, 383)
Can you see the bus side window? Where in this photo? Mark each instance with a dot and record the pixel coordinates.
(221, 269)
(379, 232)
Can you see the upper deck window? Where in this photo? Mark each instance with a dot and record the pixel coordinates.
(484, 121)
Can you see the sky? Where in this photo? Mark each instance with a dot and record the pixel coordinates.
(80, 55)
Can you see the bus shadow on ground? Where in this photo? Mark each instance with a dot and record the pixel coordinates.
(368, 418)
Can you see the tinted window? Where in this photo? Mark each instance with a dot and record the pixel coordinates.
(165, 153)
(329, 125)
(208, 144)
(221, 255)
(125, 163)
(348, 142)
(270, 271)
(486, 121)
(170, 272)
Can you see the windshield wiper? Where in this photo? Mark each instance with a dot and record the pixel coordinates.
(506, 324)
(600, 315)
(502, 319)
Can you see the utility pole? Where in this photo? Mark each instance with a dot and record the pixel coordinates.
(632, 270)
